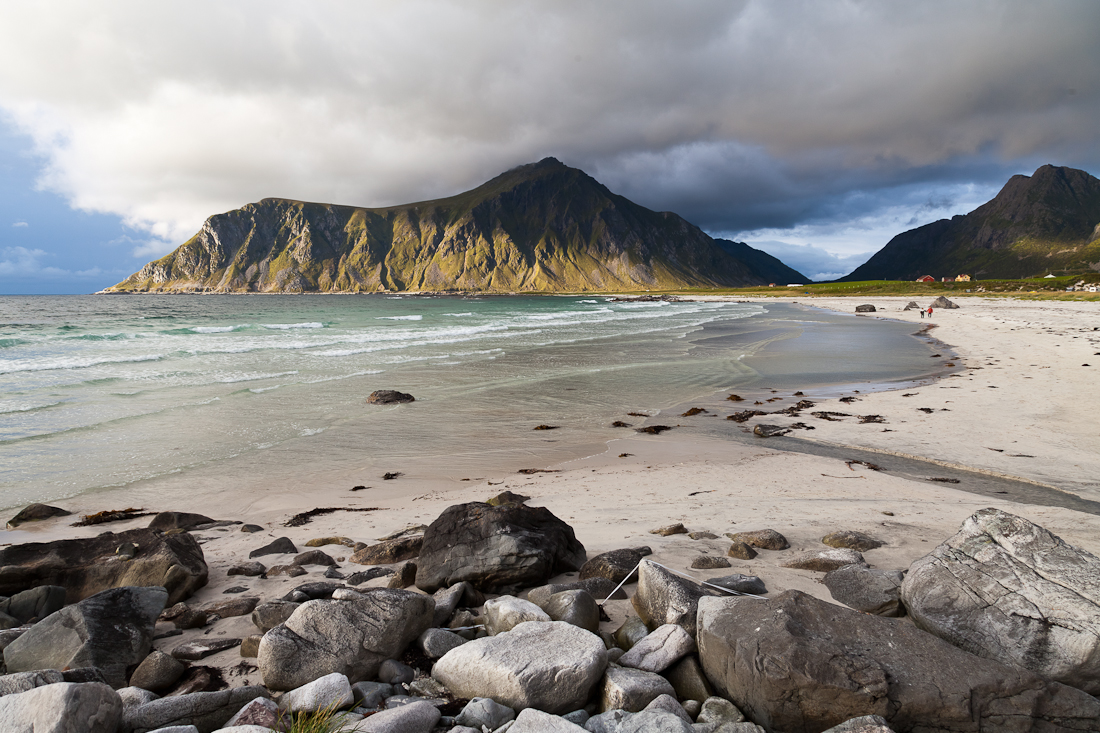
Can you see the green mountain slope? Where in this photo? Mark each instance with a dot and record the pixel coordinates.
(1046, 223)
(542, 227)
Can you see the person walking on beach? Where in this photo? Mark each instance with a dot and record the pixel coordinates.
(929, 311)
(922, 313)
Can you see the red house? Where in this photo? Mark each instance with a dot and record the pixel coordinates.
(926, 279)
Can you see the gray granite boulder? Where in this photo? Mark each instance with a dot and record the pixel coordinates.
(863, 724)
(66, 707)
(332, 690)
(207, 711)
(576, 607)
(871, 591)
(665, 598)
(415, 717)
(494, 547)
(825, 560)
(506, 612)
(437, 642)
(647, 721)
(659, 650)
(84, 567)
(352, 637)
(261, 711)
(796, 663)
(111, 631)
(1009, 590)
(484, 711)
(631, 689)
(688, 680)
(552, 666)
(536, 721)
(158, 672)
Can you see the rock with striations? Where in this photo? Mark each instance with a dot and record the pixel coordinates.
(66, 707)
(207, 711)
(870, 591)
(837, 664)
(494, 547)
(1007, 589)
(615, 565)
(389, 397)
(389, 551)
(33, 605)
(111, 631)
(37, 513)
(178, 520)
(663, 598)
(352, 637)
(660, 649)
(552, 666)
(84, 567)
(764, 539)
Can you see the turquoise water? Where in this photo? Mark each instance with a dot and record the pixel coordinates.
(101, 392)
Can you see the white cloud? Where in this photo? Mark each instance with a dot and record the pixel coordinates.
(19, 224)
(166, 113)
(24, 262)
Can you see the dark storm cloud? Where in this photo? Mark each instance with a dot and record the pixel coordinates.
(740, 116)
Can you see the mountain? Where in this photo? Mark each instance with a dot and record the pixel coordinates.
(1046, 223)
(770, 268)
(542, 227)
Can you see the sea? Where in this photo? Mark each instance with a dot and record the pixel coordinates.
(173, 393)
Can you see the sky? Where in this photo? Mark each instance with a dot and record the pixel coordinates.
(813, 130)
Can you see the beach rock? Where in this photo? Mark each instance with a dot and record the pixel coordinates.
(158, 672)
(866, 308)
(825, 561)
(389, 551)
(330, 691)
(670, 529)
(315, 591)
(178, 520)
(664, 598)
(870, 591)
(552, 666)
(370, 694)
(667, 704)
(600, 588)
(111, 631)
(324, 541)
(631, 689)
(576, 607)
(281, 546)
(770, 431)
(240, 606)
(134, 696)
(207, 711)
(852, 540)
(632, 630)
(37, 513)
(267, 616)
(493, 547)
(687, 678)
(720, 711)
(393, 672)
(389, 397)
(484, 712)
(702, 535)
(741, 551)
(248, 569)
(352, 637)
(536, 721)
(506, 612)
(437, 642)
(11, 684)
(35, 604)
(659, 650)
(615, 565)
(740, 583)
(447, 600)
(1007, 589)
(647, 721)
(763, 539)
(364, 575)
(250, 645)
(404, 575)
(251, 528)
(839, 664)
(863, 724)
(192, 651)
(84, 567)
(65, 707)
(314, 557)
(261, 711)
(507, 497)
(710, 562)
(416, 717)
(942, 302)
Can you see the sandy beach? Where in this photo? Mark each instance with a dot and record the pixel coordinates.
(1020, 406)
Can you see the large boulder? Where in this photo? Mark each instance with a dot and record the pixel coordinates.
(389, 397)
(664, 598)
(800, 665)
(352, 636)
(207, 711)
(111, 631)
(1009, 590)
(942, 302)
(615, 565)
(65, 707)
(84, 567)
(494, 547)
(33, 605)
(551, 665)
(37, 513)
(871, 591)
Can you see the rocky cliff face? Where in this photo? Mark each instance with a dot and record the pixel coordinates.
(1046, 223)
(537, 228)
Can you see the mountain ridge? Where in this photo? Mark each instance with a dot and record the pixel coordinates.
(540, 227)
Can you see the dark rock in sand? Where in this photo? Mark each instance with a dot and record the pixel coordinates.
(942, 302)
(318, 590)
(35, 604)
(867, 308)
(664, 598)
(291, 571)
(770, 431)
(178, 520)
(507, 497)
(251, 528)
(158, 672)
(491, 547)
(365, 575)
(576, 607)
(670, 529)
(334, 574)
(37, 513)
(614, 565)
(838, 664)
(314, 557)
(248, 569)
(1009, 590)
(192, 651)
(389, 551)
(404, 575)
(852, 540)
(233, 607)
(741, 551)
(84, 567)
(870, 591)
(389, 397)
(711, 562)
(112, 631)
(764, 539)
(270, 614)
(281, 546)
(740, 583)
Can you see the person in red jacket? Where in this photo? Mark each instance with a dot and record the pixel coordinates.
(929, 311)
